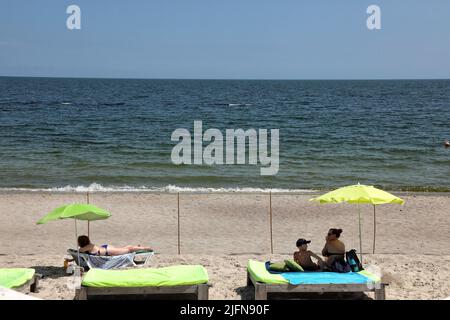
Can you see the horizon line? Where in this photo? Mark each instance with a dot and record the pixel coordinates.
(228, 79)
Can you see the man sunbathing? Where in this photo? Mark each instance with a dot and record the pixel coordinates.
(105, 250)
(303, 257)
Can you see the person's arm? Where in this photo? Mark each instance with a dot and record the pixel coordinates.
(296, 256)
(325, 251)
(312, 254)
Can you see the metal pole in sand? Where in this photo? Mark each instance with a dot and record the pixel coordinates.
(374, 227)
(271, 227)
(178, 205)
(87, 200)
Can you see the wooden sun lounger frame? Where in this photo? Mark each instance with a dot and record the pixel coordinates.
(201, 291)
(262, 289)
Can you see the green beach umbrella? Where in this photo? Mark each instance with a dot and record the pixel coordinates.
(360, 194)
(76, 211)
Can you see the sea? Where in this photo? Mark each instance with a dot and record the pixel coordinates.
(62, 134)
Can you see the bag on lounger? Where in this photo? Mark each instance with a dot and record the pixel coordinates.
(353, 261)
(340, 265)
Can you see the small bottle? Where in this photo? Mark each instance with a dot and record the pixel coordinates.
(66, 264)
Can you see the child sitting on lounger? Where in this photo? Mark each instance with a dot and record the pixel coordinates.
(105, 250)
(303, 257)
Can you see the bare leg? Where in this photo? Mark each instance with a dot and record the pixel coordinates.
(118, 251)
(137, 248)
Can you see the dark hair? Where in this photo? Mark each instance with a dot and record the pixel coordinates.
(336, 232)
(301, 242)
(83, 241)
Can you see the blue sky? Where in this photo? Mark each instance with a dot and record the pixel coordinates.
(237, 39)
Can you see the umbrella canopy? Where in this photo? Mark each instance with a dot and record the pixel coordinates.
(76, 211)
(358, 193)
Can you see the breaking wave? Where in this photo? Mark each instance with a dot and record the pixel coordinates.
(95, 187)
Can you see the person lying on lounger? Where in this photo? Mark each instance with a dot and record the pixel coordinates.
(303, 257)
(105, 250)
(334, 248)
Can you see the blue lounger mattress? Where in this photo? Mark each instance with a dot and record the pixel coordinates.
(260, 273)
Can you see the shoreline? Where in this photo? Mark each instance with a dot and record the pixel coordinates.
(312, 192)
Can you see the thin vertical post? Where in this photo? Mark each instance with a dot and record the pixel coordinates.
(271, 226)
(87, 200)
(178, 206)
(374, 228)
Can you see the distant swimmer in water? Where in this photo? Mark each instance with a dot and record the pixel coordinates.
(446, 144)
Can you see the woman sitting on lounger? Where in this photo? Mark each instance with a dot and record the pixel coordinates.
(334, 248)
(105, 250)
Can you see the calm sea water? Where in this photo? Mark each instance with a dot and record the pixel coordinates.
(116, 134)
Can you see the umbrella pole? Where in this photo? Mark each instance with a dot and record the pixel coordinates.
(374, 228)
(178, 223)
(270, 222)
(76, 241)
(360, 236)
(87, 200)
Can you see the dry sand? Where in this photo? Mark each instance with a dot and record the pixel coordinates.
(223, 231)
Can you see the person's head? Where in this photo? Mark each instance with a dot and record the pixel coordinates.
(334, 233)
(302, 244)
(83, 241)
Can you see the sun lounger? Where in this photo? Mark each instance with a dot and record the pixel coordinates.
(20, 279)
(140, 258)
(307, 282)
(9, 294)
(183, 279)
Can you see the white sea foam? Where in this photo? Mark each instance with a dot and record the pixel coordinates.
(239, 104)
(95, 187)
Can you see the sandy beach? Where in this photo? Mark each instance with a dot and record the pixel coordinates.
(223, 231)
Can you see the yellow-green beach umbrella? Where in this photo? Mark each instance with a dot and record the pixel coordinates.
(78, 211)
(360, 194)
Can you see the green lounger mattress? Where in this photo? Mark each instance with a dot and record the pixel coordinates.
(146, 277)
(15, 277)
(259, 272)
